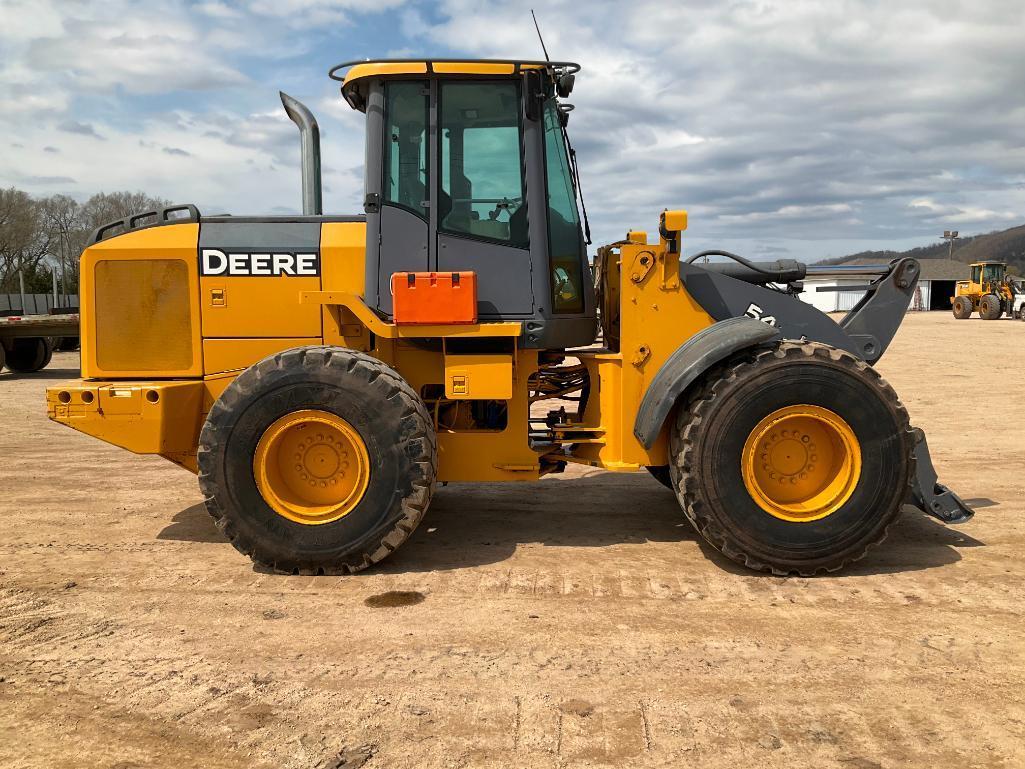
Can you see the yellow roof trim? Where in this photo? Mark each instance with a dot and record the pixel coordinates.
(379, 68)
(373, 69)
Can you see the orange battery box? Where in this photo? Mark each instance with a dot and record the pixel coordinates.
(434, 298)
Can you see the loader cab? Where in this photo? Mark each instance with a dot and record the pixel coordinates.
(468, 168)
(988, 272)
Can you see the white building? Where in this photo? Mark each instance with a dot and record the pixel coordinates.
(935, 287)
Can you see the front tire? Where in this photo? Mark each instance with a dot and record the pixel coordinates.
(338, 420)
(830, 408)
(962, 307)
(989, 307)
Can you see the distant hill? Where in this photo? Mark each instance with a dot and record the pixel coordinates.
(1002, 246)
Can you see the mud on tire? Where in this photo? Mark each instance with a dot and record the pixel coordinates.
(388, 415)
(707, 440)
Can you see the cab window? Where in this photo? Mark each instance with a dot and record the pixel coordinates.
(565, 243)
(976, 273)
(405, 146)
(481, 162)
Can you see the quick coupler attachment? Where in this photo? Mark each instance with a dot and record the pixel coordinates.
(931, 496)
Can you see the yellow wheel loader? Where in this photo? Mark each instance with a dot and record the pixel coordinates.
(990, 292)
(322, 373)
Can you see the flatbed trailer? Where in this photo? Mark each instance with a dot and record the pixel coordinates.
(27, 342)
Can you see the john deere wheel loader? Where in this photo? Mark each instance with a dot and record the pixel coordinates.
(990, 292)
(322, 373)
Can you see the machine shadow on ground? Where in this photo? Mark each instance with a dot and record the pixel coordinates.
(472, 525)
(47, 374)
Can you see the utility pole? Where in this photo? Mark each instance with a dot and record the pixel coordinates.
(950, 236)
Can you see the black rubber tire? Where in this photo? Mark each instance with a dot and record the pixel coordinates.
(3, 355)
(68, 343)
(29, 355)
(389, 416)
(707, 440)
(962, 307)
(661, 474)
(989, 307)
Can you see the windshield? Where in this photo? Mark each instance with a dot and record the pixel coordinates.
(992, 272)
(565, 243)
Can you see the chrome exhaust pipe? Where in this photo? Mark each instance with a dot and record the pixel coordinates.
(309, 140)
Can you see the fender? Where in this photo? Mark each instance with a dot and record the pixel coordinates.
(692, 359)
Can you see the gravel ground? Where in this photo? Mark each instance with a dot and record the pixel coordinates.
(567, 623)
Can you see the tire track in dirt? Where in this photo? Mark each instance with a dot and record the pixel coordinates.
(923, 590)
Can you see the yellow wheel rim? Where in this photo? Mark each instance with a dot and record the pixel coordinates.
(801, 463)
(311, 467)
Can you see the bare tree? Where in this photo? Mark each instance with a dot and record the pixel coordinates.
(25, 237)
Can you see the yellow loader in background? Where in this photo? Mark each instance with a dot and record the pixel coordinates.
(321, 373)
(989, 292)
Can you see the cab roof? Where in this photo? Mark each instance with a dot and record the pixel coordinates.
(351, 73)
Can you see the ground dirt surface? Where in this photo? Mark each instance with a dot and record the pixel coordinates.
(567, 623)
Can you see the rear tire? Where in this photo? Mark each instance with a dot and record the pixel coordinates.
(708, 448)
(396, 432)
(3, 355)
(28, 355)
(68, 343)
(989, 307)
(962, 307)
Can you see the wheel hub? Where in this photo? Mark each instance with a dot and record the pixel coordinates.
(801, 463)
(311, 467)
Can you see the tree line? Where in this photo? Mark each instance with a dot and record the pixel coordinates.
(43, 236)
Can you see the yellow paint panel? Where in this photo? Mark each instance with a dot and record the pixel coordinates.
(143, 315)
(489, 455)
(140, 317)
(343, 248)
(143, 417)
(478, 377)
(249, 306)
(220, 355)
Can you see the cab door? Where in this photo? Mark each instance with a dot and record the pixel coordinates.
(402, 222)
(481, 202)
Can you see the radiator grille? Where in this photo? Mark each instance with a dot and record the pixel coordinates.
(142, 313)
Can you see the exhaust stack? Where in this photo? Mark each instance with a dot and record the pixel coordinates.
(309, 139)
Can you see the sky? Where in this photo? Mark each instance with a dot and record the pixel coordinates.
(792, 129)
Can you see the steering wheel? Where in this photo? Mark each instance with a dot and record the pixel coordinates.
(505, 204)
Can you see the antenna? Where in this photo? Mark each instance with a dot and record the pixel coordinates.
(547, 58)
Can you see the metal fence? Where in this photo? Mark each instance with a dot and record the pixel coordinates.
(35, 304)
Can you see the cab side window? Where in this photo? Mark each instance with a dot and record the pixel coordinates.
(406, 180)
(481, 161)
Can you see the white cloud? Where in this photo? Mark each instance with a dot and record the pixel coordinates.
(780, 124)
